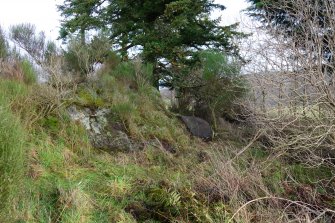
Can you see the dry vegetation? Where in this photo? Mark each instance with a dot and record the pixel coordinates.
(275, 165)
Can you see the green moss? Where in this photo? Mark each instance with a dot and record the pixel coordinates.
(89, 98)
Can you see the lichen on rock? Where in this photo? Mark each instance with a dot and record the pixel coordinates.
(101, 129)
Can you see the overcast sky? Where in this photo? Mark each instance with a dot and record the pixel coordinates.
(43, 13)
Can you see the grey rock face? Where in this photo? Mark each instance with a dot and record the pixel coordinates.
(101, 131)
(198, 127)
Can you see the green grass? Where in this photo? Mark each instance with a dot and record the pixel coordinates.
(13, 150)
(89, 98)
(10, 91)
(142, 112)
(64, 180)
(50, 173)
(30, 75)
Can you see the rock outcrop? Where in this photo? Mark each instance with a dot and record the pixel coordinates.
(198, 127)
(103, 133)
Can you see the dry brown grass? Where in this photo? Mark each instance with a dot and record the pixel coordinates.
(11, 70)
(77, 203)
(239, 182)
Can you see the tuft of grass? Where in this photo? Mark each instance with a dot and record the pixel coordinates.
(89, 97)
(10, 91)
(29, 73)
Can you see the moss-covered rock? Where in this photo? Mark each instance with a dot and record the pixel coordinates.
(104, 132)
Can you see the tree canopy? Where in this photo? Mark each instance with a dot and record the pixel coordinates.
(167, 33)
(288, 15)
(79, 16)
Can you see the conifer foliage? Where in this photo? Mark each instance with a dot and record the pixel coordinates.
(167, 33)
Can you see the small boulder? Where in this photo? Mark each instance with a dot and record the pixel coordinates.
(198, 127)
(114, 140)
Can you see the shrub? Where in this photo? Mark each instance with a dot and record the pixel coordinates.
(20, 70)
(213, 86)
(34, 44)
(139, 75)
(3, 45)
(29, 73)
(11, 70)
(82, 58)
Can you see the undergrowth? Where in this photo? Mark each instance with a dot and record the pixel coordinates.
(49, 171)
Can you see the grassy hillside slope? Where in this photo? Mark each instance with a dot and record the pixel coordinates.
(49, 171)
(52, 174)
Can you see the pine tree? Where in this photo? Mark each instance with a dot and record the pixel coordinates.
(166, 33)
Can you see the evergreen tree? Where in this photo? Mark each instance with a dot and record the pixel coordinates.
(293, 22)
(79, 16)
(167, 33)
